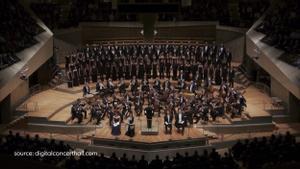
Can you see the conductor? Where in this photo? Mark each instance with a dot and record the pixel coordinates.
(149, 114)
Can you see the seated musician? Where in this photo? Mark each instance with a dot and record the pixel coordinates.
(130, 125)
(110, 86)
(116, 124)
(74, 110)
(126, 110)
(181, 84)
(100, 87)
(110, 115)
(79, 114)
(122, 86)
(115, 101)
(83, 108)
(181, 100)
(138, 105)
(241, 101)
(145, 85)
(86, 89)
(193, 86)
(156, 85)
(181, 75)
(96, 113)
(167, 85)
(189, 117)
(180, 121)
(168, 122)
(77, 111)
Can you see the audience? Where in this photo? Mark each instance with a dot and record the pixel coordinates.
(48, 12)
(15, 143)
(242, 13)
(249, 154)
(17, 31)
(251, 10)
(256, 153)
(280, 26)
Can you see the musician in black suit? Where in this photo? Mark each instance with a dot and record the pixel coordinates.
(180, 121)
(110, 86)
(134, 85)
(161, 68)
(231, 77)
(175, 69)
(75, 77)
(167, 85)
(154, 69)
(181, 84)
(193, 86)
(70, 79)
(149, 112)
(86, 89)
(168, 68)
(168, 118)
(94, 74)
(100, 87)
(148, 69)
(156, 85)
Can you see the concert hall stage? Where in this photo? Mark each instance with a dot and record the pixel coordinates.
(49, 112)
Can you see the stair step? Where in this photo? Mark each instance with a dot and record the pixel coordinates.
(281, 118)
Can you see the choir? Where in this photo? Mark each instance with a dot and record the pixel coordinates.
(204, 63)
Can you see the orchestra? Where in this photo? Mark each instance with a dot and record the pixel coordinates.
(193, 84)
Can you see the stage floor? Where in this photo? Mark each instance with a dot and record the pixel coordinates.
(53, 105)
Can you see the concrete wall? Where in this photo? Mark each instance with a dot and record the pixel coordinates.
(36, 56)
(17, 95)
(71, 36)
(5, 110)
(278, 90)
(234, 39)
(92, 32)
(237, 48)
(294, 110)
(267, 57)
(65, 42)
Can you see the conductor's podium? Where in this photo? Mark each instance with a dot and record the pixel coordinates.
(146, 129)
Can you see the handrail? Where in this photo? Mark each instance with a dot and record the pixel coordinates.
(126, 42)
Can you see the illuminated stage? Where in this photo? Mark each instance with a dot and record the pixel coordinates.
(49, 111)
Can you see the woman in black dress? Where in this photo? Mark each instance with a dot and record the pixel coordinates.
(116, 124)
(130, 131)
